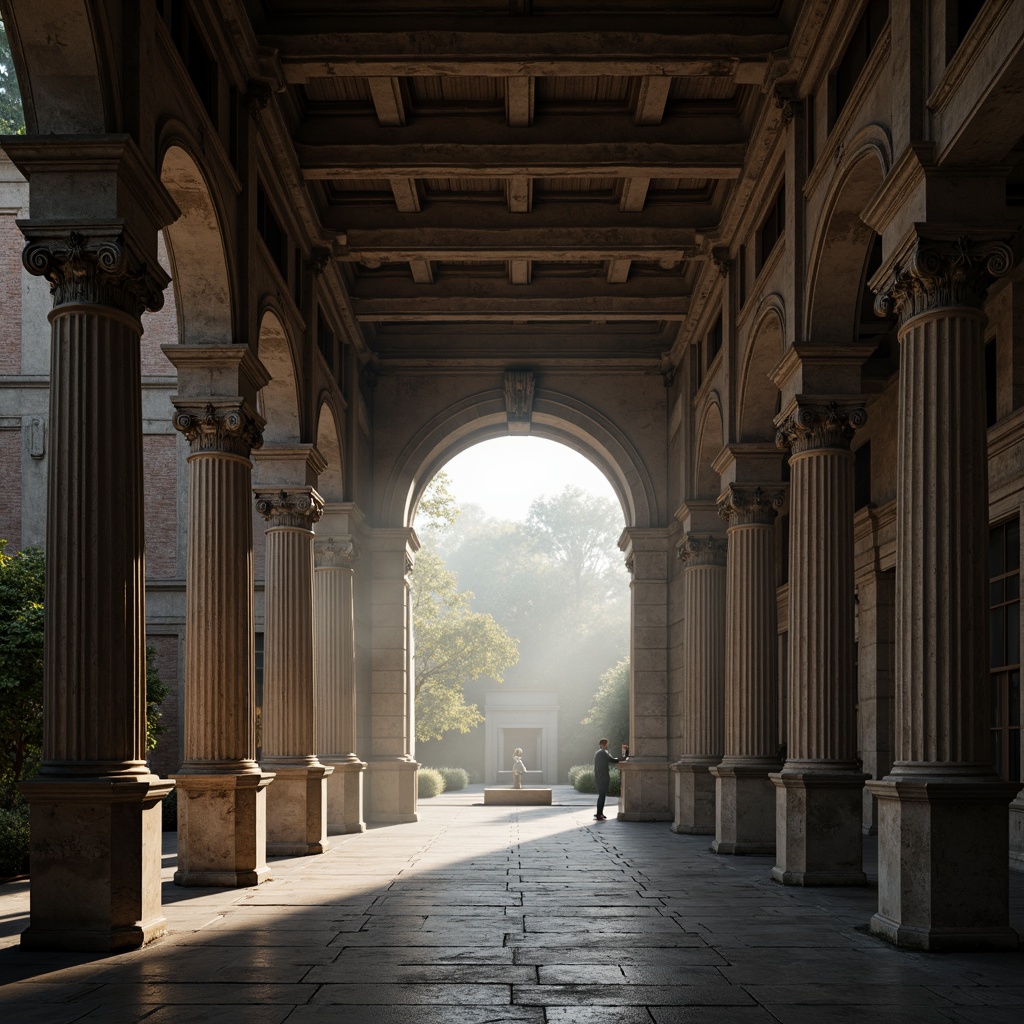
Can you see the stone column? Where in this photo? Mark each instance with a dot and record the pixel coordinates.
(646, 781)
(702, 706)
(335, 672)
(942, 811)
(297, 802)
(221, 789)
(391, 778)
(95, 806)
(818, 791)
(745, 796)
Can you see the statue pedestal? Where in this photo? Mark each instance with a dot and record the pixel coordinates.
(515, 797)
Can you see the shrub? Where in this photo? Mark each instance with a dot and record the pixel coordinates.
(14, 842)
(454, 778)
(431, 783)
(169, 809)
(576, 770)
(583, 781)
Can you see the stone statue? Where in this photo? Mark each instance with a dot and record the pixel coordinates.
(518, 768)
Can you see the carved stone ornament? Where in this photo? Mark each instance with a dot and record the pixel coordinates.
(939, 275)
(231, 429)
(94, 270)
(519, 388)
(702, 549)
(300, 508)
(723, 264)
(335, 552)
(746, 506)
(828, 425)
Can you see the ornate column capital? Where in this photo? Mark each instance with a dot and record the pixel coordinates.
(702, 549)
(98, 268)
(825, 423)
(938, 274)
(299, 507)
(335, 552)
(747, 506)
(219, 426)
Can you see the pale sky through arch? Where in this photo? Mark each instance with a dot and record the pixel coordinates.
(506, 474)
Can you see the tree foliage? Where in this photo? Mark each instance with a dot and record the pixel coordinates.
(609, 713)
(437, 509)
(12, 116)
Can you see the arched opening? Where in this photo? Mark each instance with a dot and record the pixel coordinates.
(533, 558)
(328, 443)
(710, 439)
(279, 400)
(758, 394)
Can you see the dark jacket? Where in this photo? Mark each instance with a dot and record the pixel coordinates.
(602, 763)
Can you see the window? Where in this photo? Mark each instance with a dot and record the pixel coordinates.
(1004, 647)
(271, 232)
(714, 340)
(325, 340)
(771, 228)
(862, 42)
(966, 12)
(698, 368)
(862, 476)
(191, 46)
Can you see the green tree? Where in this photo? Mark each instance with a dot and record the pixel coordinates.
(22, 584)
(156, 693)
(12, 116)
(609, 713)
(454, 646)
(437, 509)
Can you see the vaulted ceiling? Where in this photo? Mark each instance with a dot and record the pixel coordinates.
(537, 176)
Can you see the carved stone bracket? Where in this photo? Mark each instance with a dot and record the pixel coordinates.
(210, 427)
(814, 425)
(746, 506)
(720, 258)
(299, 507)
(99, 270)
(335, 552)
(519, 388)
(702, 549)
(943, 274)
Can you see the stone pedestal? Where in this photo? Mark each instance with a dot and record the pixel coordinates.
(95, 806)
(391, 780)
(819, 790)
(335, 664)
(703, 692)
(942, 811)
(221, 789)
(745, 795)
(297, 802)
(646, 793)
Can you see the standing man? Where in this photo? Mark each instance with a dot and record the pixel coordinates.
(602, 765)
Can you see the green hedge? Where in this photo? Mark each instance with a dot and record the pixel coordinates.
(14, 842)
(431, 783)
(454, 778)
(582, 778)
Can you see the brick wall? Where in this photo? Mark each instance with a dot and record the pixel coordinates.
(160, 472)
(166, 757)
(10, 487)
(11, 242)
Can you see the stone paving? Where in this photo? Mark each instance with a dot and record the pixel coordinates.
(512, 915)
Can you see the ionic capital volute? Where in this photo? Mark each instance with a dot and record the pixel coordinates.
(229, 427)
(749, 506)
(335, 552)
(813, 425)
(702, 549)
(299, 507)
(939, 274)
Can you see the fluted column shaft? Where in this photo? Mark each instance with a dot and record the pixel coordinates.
(942, 811)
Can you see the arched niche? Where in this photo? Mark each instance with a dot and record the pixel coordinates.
(710, 440)
(279, 400)
(328, 443)
(758, 394)
(63, 63)
(196, 253)
(844, 243)
(556, 417)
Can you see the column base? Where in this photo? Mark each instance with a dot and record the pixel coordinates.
(96, 860)
(297, 809)
(745, 798)
(222, 829)
(646, 790)
(694, 796)
(818, 826)
(943, 871)
(345, 798)
(391, 790)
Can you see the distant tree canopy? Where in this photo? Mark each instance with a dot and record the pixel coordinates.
(12, 116)
(609, 714)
